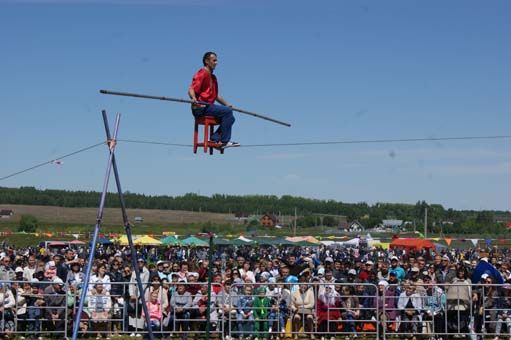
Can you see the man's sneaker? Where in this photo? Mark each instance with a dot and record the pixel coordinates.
(230, 145)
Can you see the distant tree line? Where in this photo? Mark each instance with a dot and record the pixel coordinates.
(440, 219)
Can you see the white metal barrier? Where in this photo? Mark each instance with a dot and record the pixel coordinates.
(271, 310)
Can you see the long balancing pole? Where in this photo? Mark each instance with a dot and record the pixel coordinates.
(179, 100)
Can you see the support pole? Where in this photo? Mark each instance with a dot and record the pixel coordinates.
(127, 228)
(210, 279)
(99, 218)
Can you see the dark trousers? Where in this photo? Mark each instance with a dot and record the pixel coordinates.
(223, 133)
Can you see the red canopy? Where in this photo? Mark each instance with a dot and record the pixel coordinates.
(57, 244)
(412, 243)
(76, 242)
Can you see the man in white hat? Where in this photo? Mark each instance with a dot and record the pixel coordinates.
(444, 274)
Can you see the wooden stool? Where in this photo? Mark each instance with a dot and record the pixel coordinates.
(209, 123)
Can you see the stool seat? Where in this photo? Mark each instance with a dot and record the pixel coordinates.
(209, 123)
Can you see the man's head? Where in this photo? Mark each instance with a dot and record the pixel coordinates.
(210, 60)
(99, 288)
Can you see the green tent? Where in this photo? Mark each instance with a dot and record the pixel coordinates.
(194, 241)
(306, 244)
(170, 240)
(222, 241)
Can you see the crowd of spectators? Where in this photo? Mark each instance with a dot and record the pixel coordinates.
(257, 292)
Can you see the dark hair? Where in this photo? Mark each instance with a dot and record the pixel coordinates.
(206, 57)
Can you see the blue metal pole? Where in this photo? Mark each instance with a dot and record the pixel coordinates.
(127, 228)
(99, 218)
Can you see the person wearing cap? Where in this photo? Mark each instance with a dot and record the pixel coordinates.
(245, 312)
(55, 300)
(6, 271)
(144, 278)
(352, 275)
(180, 304)
(262, 306)
(50, 271)
(19, 273)
(327, 279)
(395, 267)
(8, 303)
(280, 299)
(410, 307)
(364, 274)
(99, 307)
(414, 277)
(35, 302)
(434, 306)
(159, 268)
(387, 305)
(329, 263)
(225, 302)
(444, 273)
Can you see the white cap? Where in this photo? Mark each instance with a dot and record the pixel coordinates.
(321, 271)
(445, 257)
(352, 272)
(160, 262)
(18, 270)
(370, 262)
(58, 280)
(484, 276)
(51, 264)
(394, 258)
(329, 259)
(383, 283)
(415, 269)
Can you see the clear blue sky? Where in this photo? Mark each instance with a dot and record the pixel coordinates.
(336, 70)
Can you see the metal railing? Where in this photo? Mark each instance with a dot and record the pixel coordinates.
(246, 310)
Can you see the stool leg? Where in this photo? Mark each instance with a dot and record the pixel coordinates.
(211, 131)
(195, 137)
(206, 136)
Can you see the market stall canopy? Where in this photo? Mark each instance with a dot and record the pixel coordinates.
(412, 243)
(310, 239)
(170, 240)
(147, 240)
(104, 241)
(57, 244)
(77, 242)
(194, 241)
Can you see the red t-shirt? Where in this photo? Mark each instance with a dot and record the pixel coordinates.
(205, 86)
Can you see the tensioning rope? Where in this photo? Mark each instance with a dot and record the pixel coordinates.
(52, 160)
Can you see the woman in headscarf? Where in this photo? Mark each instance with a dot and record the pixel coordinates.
(328, 312)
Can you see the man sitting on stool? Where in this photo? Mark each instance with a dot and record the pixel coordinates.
(204, 89)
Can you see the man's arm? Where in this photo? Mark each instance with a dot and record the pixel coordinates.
(191, 94)
(222, 101)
